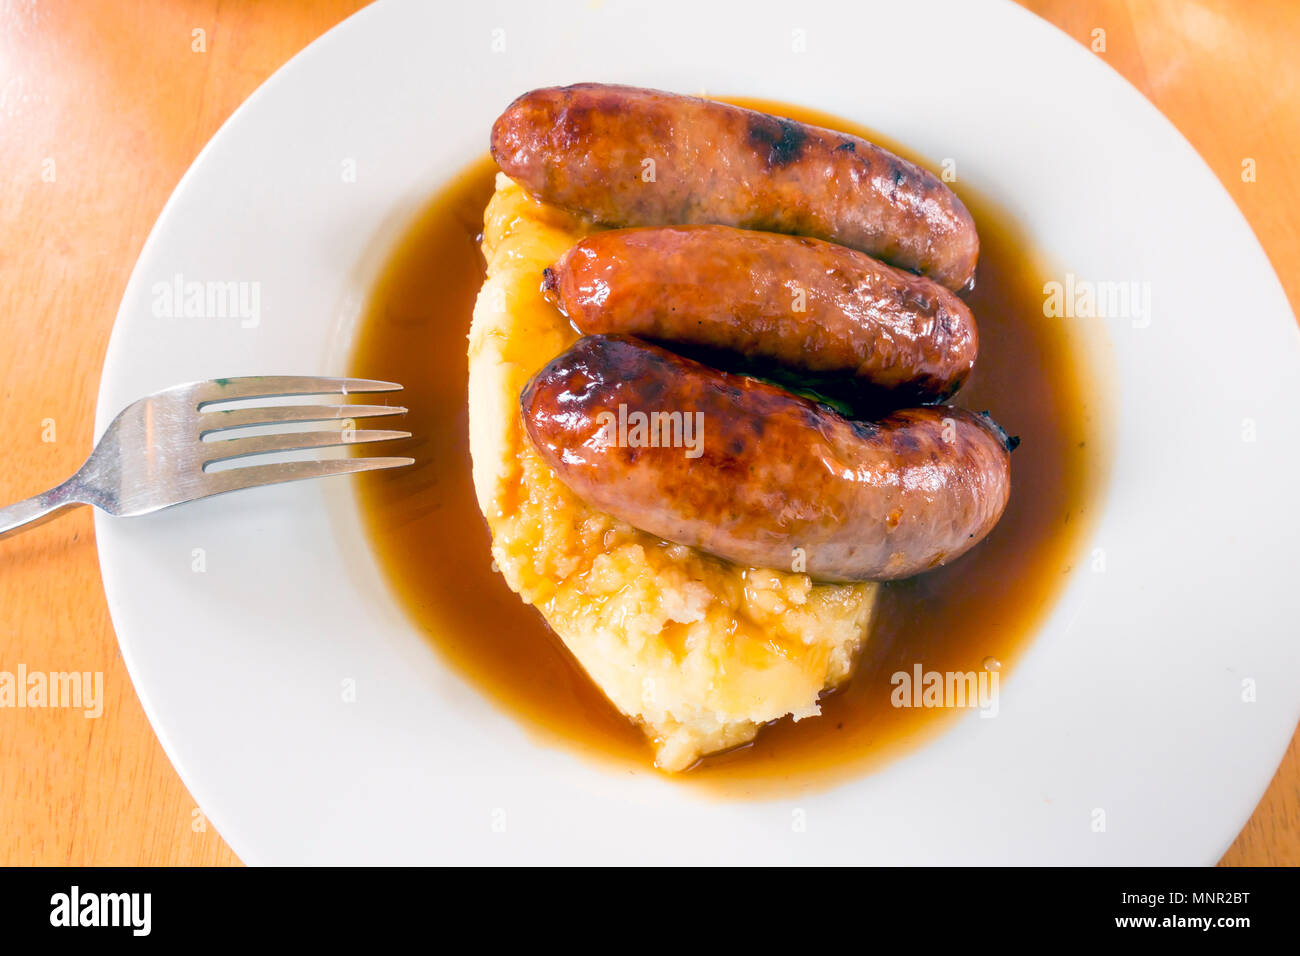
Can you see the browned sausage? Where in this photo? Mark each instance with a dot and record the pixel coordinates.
(632, 157)
(806, 304)
(751, 473)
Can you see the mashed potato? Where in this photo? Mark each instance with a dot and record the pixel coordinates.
(700, 652)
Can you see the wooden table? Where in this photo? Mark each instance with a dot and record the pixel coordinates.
(103, 105)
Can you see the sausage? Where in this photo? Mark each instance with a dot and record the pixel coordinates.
(632, 157)
(761, 477)
(802, 303)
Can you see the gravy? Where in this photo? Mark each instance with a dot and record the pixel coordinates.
(426, 530)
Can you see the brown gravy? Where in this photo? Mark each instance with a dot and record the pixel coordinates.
(426, 530)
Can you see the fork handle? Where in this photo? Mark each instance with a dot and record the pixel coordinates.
(37, 510)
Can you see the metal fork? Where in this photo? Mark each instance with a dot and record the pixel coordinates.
(154, 454)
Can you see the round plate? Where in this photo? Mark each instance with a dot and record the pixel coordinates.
(1162, 688)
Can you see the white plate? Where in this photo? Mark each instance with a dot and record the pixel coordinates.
(1130, 700)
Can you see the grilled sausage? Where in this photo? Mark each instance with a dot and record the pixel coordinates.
(751, 473)
(802, 303)
(632, 157)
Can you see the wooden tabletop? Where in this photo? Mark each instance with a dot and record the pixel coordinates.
(103, 105)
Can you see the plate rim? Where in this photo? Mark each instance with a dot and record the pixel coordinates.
(265, 89)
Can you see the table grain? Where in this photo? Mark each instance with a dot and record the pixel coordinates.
(103, 106)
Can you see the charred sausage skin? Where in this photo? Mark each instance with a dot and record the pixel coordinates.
(627, 156)
(809, 305)
(774, 473)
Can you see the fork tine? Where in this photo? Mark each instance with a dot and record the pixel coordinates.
(292, 441)
(279, 386)
(255, 476)
(276, 414)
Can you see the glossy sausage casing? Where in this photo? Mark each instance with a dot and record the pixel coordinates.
(802, 303)
(632, 157)
(760, 472)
